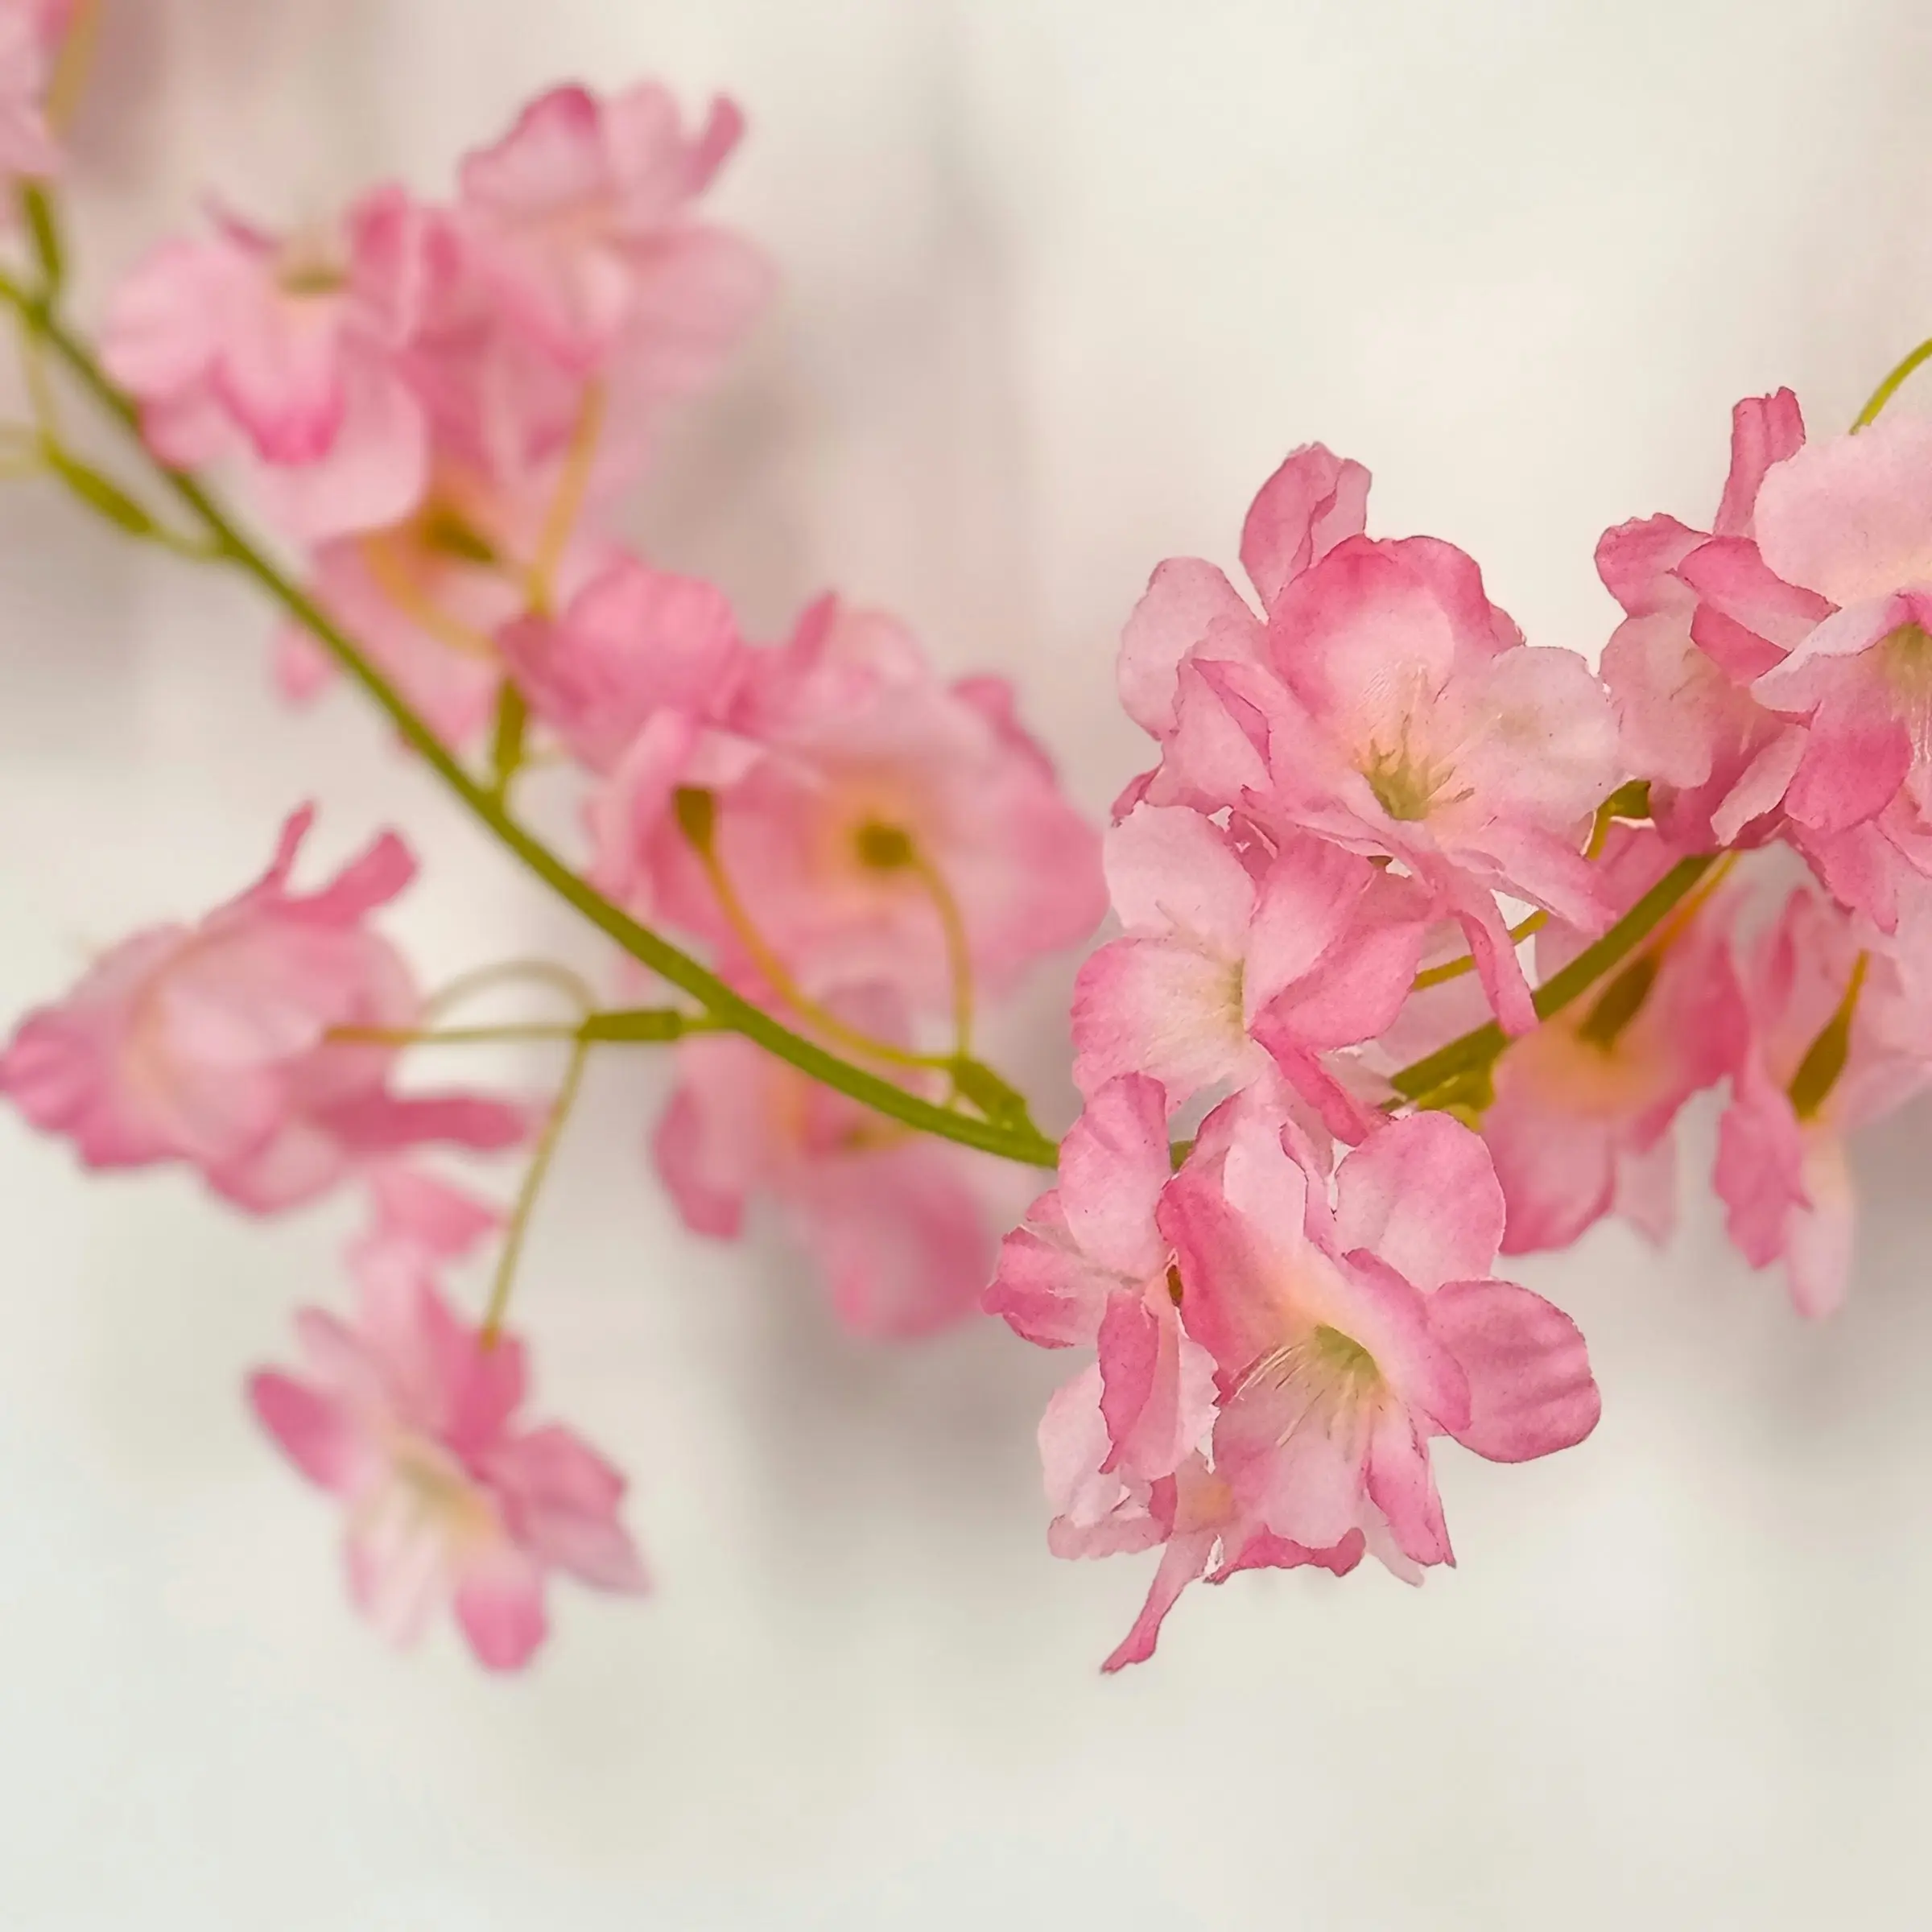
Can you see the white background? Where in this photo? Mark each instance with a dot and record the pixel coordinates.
(1064, 279)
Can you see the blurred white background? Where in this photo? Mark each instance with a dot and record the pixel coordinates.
(1064, 279)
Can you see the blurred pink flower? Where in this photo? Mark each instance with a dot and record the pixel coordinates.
(407, 1413)
(875, 816)
(578, 221)
(27, 147)
(889, 1217)
(1580, 1124)
(1836, 1035)
(289, 344)
(634, 644)
(211, 1044)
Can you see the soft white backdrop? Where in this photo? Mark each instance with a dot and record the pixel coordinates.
(1064, 279)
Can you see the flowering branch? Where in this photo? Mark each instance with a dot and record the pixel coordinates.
(229, 544)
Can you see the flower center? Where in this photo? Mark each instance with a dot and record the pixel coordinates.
(1905, 657)
(1407, 783)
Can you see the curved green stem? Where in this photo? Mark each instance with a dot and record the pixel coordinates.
(1892, 383)
(727, 1008)
(1475, 1049)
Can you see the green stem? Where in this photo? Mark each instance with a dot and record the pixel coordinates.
(1892, 383)
(729, 1010)
(1477, 1049)
(519, 1227)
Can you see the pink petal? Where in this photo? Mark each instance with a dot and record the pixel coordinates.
(311, 1429)
(1849, 517)
(1423, 1195)
(499, 1603)
(1531, 1391)
(1188, 605)
(1308, 505)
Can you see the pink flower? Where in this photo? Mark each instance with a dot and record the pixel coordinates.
(1581, 1123)
(211, 1043)
(1187, 1515)
(292, 344)
(635, 643)
(1705, 616)
(1235, 949)
(1347, 1332)
(428, 597)
(27, 147)
(888, 1217)
(407, 1414)
(1386, 707)
(578, 221)
(1837, 1037)
(882, 827)
(1090, 1265)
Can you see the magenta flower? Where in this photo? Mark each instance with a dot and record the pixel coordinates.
(891, 1218)
(578, 221)
(289, 345)
(407, 1413)
(1580, 1126)
(212, 1044)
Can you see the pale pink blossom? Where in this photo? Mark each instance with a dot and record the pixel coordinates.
(1348, 1330)
(409, 1415)
(1091, 1266)
(1236, 949)
(883, 827)
(578, 220)
(633, 643)
(1388, 706)
(1704, 617)
(1580, 1126)
(891, 1218)
(428, 597)
(1837, 1035)
(1188, 1516)
(27, 148)
(288, 346)
(212, 1044)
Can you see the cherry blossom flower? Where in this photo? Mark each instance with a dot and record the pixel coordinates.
(1090, 1265)
(289, 345)
(633, 644)
(1580, 1126)
(408, 1414)
(1347, 1332)
(1706, 617)
(1386, 706)
(891, 1218)
(1236, 951)
(1097, 1511)
(1838, 1035)
(890, 828)
(27, 148)
(211, 1043)
(578, 221)
(427, 598)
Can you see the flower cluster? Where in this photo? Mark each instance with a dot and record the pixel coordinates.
(437, 407)
(1426, 934)
(1361, 783)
